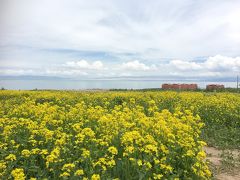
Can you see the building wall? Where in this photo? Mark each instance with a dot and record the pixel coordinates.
(214, 86)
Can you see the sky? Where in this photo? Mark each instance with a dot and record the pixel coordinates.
(120, 38)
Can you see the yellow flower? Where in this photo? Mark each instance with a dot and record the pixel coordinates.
(18, 174)
(157, 176)
(35, 151)
(208, 173)
(64, 174)
(85, 153)
(44, 151)
(111, 163)
(79, 172)
(68, 167)
(166, 167)
(190, 153)
(95, 177)
(86, 132)
(164, 149)
(2, 166)
(113, 150)
(53, 157)
(150, 149)
(26, 153)
(148, 165)
(139, 162)
(201, 155)
(10, 157)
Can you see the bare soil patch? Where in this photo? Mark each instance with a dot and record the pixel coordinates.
(225, 164)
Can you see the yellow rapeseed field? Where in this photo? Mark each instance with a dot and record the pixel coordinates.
(112, 135)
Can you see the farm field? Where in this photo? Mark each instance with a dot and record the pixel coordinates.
(115, 135)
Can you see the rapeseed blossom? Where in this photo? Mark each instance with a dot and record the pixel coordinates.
(110, 135)
(18, 174)
(10, 157)
(113, 150)
(95, 177)
(79, 172)
(26, 153)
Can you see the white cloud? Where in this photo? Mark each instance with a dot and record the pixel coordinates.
(216, 63)
(52, 35)
(214, 66)
(220, 63)
(184, 65)
(186, 30)
(137, 66)
(83, 64)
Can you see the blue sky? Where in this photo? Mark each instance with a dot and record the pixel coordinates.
(118, 38)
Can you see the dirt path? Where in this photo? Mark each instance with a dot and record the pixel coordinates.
(225, 165)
